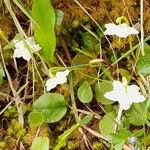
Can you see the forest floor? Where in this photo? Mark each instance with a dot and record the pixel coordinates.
(75, 74)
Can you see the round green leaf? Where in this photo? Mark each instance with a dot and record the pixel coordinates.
(36, 118)
(40, 143)
(106, 124)
(85, 93)
(89, 40)
(143, 65)
(100, 89)
(136, 114)
(52, 105)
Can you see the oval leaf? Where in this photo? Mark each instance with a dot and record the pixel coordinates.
(106, 124)
(100, 89)
(143, 65)
(44, 15)
(36, 118)
(52, 105)
(136, 114)
(40, 143)
(85, 93)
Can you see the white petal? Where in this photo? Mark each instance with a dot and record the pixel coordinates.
(22, 48)
(122, 33)
(121, 30)
(51, 84)
(111, 29)
(125, 95)
(118, 92)
(67, 72)
(130, 30)
(22, 52)
(27, 55)
(62, 73)
(135, 95)
(117, 85)
(31, 43)
(61, 80)
(17, 53)
(111, 96)
(124, 30)
(133, 88)
(125, 103)
(18, 43)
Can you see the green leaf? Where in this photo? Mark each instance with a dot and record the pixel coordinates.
(125, 73)
(40, 143)
(89, 40)
(120, 136)
(86, 72)
(147, 113)
(146, 50)
(52, 105)
(106, 124)
(86, 120)
(67, 134)
(119, 146)
(85, 93)
(44, 15)
(147, 140)
(100, 89)
(143, 65)
(36, 118)
(136, 114)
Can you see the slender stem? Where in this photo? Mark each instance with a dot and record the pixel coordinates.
(118, 118)
(73, 100)
(131, 46)
(142, 29)
(15, 94)
(119, 20)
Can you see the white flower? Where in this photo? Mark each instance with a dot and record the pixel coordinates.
(125, 94)
(60, 78)
(121, 30)
(25, 48)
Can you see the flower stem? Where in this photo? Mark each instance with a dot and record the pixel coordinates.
(131, 46)
(120, 20)
(118, 118)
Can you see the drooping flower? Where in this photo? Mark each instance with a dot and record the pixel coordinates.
(125, 94)
(59, 78)
(120, 30)
(25, 48)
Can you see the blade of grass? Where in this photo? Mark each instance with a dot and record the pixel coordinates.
(129, 51)
(18, 26)
(25, 12)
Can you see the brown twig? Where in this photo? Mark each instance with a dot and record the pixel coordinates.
(64, 45)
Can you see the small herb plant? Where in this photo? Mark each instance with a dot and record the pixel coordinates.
(81, 85)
